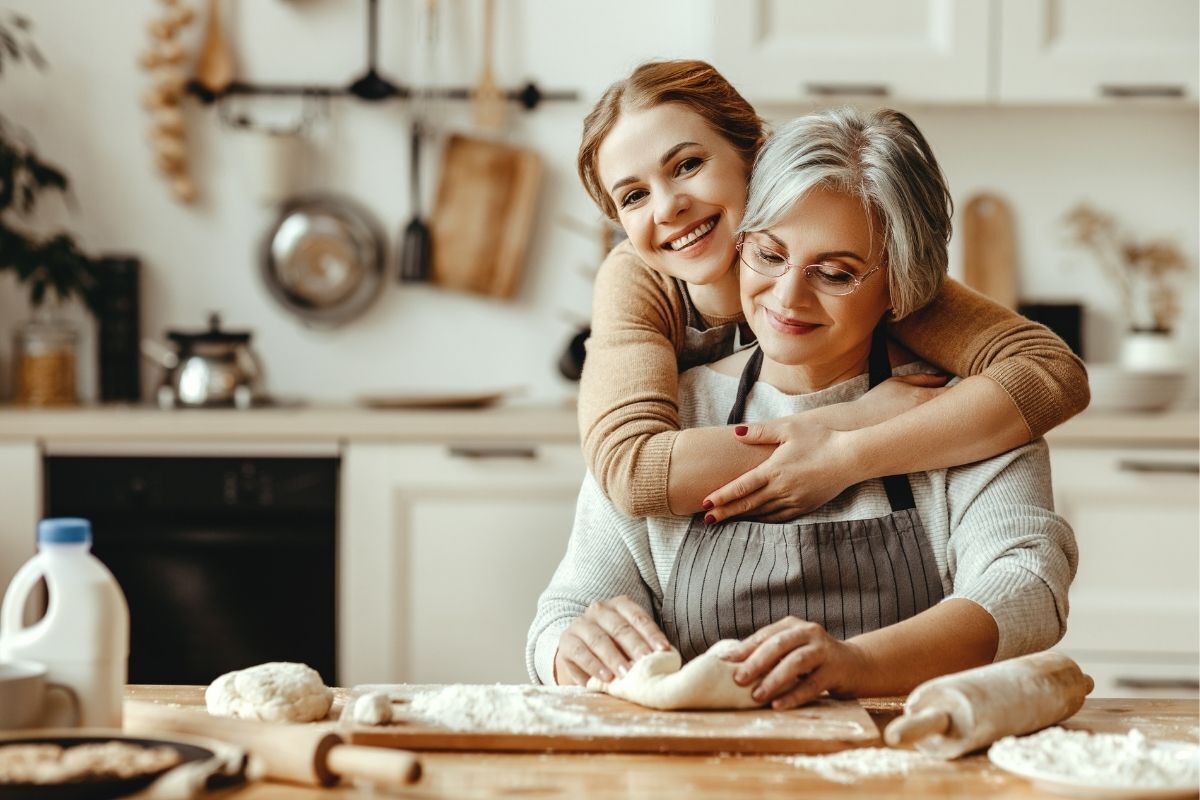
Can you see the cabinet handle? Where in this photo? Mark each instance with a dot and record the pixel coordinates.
(1179, 468)
(1148, 90)
(835, 89)
(1133, 682)
(472, 451)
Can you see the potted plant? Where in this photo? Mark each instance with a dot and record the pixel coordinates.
(53, 268)
(1143, 273)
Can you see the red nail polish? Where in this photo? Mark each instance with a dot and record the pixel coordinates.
(741, 430)
(709, 519)
(707, 504)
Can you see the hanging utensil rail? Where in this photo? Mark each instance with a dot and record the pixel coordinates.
(374, 87)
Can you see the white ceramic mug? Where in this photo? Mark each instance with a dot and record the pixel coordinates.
(28, 700)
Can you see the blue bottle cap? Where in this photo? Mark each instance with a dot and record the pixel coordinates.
(64, 530)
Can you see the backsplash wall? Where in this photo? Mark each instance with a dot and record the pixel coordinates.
(1138, 162)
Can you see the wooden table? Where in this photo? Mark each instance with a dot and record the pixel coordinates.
(463, 776)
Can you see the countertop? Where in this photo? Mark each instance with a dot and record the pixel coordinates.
(504, 422)
(478, 775)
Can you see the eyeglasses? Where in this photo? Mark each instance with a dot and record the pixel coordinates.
(824, 278)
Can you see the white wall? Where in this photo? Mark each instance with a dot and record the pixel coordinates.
(84, 113)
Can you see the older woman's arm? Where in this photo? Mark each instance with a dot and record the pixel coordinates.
(1012, 560)
(608, 556)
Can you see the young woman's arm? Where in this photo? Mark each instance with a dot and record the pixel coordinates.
(1023, 381)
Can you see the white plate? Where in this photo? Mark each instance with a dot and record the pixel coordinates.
(1069, 787)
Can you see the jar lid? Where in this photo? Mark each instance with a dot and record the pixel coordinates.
(214, 334)
(64, 530)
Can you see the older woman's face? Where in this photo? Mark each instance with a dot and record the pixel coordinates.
(797, 325)
(679, 188)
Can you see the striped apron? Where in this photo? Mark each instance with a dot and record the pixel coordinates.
(852, 576)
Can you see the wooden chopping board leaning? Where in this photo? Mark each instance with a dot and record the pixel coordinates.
(989, 256)
(483, 215)
(955, 714)
(302, 753)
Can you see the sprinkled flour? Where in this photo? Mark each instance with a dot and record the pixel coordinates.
(513, 709)
(1106, 759)
(849, 766)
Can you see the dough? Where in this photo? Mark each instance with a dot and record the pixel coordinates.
(656, 681)
(373, 708)
(278, 691)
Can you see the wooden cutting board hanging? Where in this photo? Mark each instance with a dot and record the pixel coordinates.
(989, 257)
(483, 215)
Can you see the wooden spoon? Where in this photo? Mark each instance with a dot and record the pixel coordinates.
(214, 68)
(489, 98)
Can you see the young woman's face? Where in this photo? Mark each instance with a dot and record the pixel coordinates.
(679, 188)
(795, 323)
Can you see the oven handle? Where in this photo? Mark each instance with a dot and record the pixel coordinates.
(524, 452)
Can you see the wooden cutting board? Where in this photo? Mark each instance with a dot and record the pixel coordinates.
(989, 257)
(578, 721)
(483, 215)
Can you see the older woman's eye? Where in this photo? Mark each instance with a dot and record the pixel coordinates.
(769, 257)
(833, 276)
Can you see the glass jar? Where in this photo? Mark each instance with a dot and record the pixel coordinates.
(44, 355)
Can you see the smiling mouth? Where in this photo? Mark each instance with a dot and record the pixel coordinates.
(694, 235)
(789, 325)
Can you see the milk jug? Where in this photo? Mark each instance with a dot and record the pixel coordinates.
(83, 639)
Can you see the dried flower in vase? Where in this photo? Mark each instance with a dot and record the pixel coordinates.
(1140, 270)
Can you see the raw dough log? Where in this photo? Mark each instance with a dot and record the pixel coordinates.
(278, 691)
(656, 681)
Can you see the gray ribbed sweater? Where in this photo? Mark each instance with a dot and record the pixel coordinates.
(995, 536)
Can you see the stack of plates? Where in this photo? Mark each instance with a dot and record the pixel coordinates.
(1117, 388)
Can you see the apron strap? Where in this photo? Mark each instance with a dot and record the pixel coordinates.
(899, 491)
(749, 378)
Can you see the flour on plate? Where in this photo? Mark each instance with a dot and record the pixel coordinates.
(1105, 759)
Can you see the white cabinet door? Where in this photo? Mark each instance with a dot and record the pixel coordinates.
(1136, 598)
(1090, 50)
(20, 505)
(444, 551)
(789, 50)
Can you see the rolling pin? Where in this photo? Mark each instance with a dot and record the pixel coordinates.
(305, 754)
(948, 716)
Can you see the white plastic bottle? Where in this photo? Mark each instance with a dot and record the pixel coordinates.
(83, 639)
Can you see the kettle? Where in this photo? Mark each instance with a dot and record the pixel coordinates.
(207, 368)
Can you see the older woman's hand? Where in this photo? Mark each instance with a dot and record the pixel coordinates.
(610, 636)
(797, 660)
(812, 464)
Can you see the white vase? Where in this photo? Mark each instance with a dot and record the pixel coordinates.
(1150, 351)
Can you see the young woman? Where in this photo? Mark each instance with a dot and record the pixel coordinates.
(896, 580)
(667, 152)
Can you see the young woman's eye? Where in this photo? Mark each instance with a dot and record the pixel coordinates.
(632, 197)
(689, 165)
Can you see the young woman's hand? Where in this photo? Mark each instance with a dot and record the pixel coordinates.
(610, 636)
(797, 661)
(811, 464)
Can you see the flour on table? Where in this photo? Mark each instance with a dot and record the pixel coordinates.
(849, 766)
(278, 691)
(513, 709)
(1104, 759)
(657, 681)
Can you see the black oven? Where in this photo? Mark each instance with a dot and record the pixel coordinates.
(225, 562)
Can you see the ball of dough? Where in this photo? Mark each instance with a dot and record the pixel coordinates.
(278, 691)
(373, 708)
(706, 682)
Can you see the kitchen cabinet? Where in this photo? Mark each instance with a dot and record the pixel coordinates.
(1072, 50)
(444, 550)
(21, 502)
(969, 51)
(1134, 620)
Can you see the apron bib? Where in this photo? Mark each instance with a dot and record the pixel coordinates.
(852, 576)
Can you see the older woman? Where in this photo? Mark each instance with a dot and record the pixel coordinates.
(894, 581)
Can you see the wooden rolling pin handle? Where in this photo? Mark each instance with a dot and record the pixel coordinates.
(377, 765)
(913, 727)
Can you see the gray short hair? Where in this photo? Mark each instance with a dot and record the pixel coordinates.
(879, 157)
